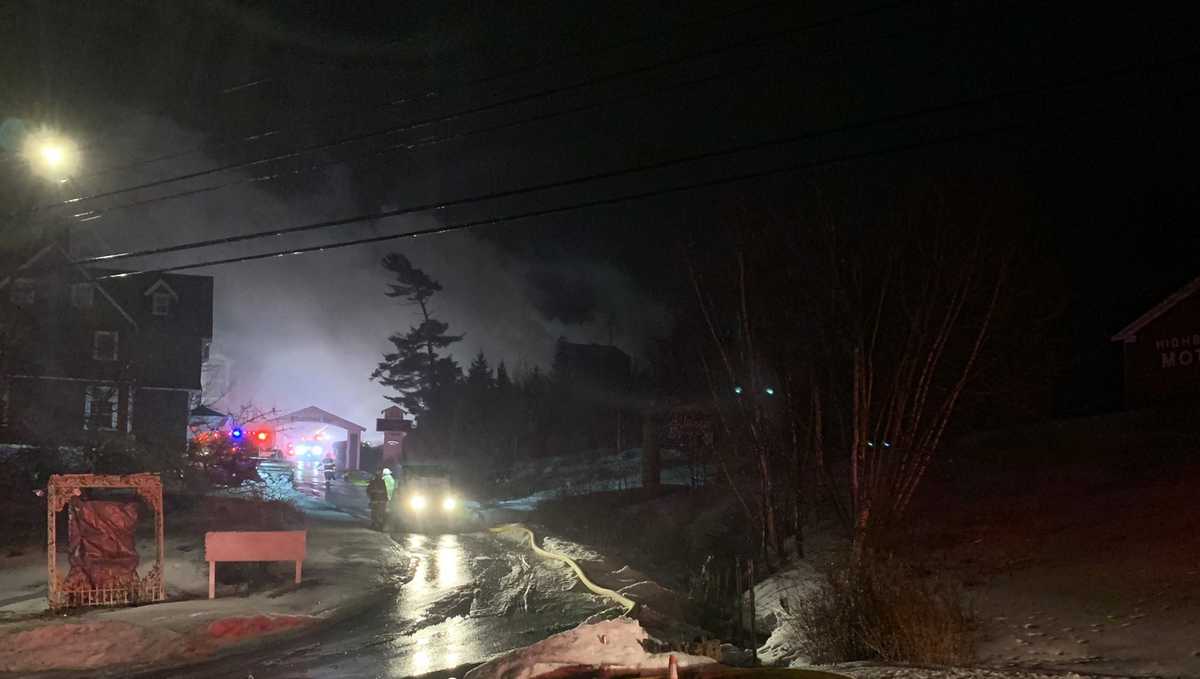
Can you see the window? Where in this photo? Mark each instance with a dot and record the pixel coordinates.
(104, 345)
(100, 407)
(23, 291)
(160, 303)
(82, 295)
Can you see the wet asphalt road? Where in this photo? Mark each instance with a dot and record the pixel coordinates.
(471, 596)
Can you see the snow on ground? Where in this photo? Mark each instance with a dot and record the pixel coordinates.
(346, 566)
(615, 645)
(873, 671)
(541, 479)
(22, 583)
(776, 599)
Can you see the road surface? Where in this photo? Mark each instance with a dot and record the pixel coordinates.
(471, 596)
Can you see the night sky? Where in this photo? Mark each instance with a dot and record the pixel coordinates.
(1085, 118)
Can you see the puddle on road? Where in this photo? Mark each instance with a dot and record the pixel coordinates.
(470, 598)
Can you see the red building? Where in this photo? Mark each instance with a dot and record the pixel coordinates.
(1162, 351)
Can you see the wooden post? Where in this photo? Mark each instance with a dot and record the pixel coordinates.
(212, 579)
(737, 599)
(651, 462)
(299, 565)
(52, 545)
(753, 631)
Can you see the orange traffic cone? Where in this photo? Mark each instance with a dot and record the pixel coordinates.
(672, 668)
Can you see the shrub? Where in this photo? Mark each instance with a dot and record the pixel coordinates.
(885, 610)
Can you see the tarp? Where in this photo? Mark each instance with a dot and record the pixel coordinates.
(102, 551)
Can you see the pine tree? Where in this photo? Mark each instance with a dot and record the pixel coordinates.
(416, 370)
(503, 383)
(479, 374)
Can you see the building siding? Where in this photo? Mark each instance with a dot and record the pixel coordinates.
(1162, 364)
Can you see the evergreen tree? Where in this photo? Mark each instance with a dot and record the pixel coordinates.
(503, 383)
(416, 370)
(479, 374)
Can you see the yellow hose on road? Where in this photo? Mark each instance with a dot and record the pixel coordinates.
(593, 587)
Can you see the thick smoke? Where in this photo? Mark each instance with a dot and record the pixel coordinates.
(309, 329)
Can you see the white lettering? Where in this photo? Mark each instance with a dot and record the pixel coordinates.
(1186, 357)
(1168, 359)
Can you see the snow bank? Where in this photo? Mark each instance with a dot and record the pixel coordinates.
(88, 646)
(776, 601)
(612, 644)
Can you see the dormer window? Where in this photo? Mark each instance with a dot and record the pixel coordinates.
(82, 295)
(160, 303)
(162, 296)
(104, 345)
(24, 291)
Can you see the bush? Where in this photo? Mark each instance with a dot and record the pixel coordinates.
(884, 610)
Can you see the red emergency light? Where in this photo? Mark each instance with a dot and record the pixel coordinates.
(262, 438)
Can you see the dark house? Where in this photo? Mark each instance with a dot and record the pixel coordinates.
(596, 368)
(595, 382)
(83, 358)
(1162, 351)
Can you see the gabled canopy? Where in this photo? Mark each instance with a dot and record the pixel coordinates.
(315, 414)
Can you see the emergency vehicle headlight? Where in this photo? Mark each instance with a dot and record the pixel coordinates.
(417, 502)
(449, 503)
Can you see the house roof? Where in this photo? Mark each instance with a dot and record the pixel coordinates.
(161, 284)
(1129, 333)
(58, 250)
(205, 411)
(195, 314)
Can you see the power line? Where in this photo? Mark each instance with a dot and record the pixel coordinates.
(861, 125)
(409, 146)
(579, 84)
(427, 94)
(532, 214)
(457, 136)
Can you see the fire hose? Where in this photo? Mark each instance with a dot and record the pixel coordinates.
(621, 599)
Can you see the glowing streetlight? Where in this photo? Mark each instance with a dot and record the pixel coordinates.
(51, 155)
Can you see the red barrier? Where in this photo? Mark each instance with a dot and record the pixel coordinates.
(252, 546)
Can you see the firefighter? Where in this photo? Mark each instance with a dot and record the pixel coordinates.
(377, 496)
(390, 482)
(330, 466)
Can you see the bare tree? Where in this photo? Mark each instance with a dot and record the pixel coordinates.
(866, 334)
(901, 314)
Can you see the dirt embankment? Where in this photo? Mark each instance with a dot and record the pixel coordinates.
(1079, 541)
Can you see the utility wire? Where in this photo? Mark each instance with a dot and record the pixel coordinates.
(629, 197)
(439, 206)
(576, 85)
(424, 95)
(430, 141)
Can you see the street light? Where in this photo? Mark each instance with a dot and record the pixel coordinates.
(51, 155)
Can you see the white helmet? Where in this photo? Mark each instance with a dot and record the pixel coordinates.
(387, 472)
